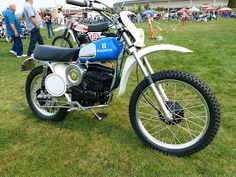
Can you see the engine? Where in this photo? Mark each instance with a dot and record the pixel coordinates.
(95, 86)
(88, 85)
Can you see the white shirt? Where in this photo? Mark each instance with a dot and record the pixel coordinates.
(29, 11)
(62, 19)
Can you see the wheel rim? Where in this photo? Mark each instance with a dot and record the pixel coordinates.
(187, 129)
(34, 88)
(8, 39)
(61, 42)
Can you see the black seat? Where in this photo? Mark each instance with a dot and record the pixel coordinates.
(56, 54)
(98, 27)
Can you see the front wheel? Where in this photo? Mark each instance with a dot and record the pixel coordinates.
(195, 112)
(62, 41)
(42, 106)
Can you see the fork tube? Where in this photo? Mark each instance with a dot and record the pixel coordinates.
(159, 86)
(45, 70)
(155, 91)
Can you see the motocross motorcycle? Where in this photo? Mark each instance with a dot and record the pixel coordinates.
(25, 32)
(3, 33)
(80, 34)
(170, 111)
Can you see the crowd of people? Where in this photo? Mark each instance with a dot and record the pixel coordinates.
(33, 22)
(14, 28)
(192, 14)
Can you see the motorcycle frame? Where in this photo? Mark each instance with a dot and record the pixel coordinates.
(67, 31)
(139, 56)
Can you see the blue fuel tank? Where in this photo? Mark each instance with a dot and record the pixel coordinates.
(103, 50)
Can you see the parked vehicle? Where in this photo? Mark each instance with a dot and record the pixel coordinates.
(79, 34)
(171, 111)
(3, 33)
(24, 30)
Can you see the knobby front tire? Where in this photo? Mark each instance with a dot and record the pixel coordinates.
(62, 41)
(163, 135)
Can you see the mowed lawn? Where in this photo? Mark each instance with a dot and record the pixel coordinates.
(82, 146)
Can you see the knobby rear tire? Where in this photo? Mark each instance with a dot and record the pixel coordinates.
(59, 116)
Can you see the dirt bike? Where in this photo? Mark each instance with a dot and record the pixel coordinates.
(170, 111)
(3, 33)
(79, 34)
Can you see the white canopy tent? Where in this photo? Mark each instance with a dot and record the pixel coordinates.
(193, 9)
(225, 9)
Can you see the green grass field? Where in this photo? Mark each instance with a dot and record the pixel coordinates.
(82, 146)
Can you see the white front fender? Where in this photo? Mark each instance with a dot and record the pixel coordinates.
(131, 62)
(62, 28)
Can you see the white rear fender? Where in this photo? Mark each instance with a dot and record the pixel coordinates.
(59, 69)
(131, 62)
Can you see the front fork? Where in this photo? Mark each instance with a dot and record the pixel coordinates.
(157, 91)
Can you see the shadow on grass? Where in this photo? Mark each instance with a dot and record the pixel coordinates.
(111, 128)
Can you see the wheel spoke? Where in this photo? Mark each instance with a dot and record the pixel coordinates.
(159, 131)
(195, 116)
(149, 115)
(35, 87)
(155, 127)
(189, 110)
(185, 129)
(182, 93)
(149, 119)
(174, 135)
(186, 119)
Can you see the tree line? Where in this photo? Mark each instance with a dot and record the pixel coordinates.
(232, 3)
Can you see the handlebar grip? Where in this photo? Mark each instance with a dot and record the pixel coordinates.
(96, 9)
(80, 3)
(93, 9)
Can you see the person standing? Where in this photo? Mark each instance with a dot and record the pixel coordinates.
(40, 14)
(48, 19)
(33, 24)
(14, 30)
(138, 18)
(1, 19)
(61, 17)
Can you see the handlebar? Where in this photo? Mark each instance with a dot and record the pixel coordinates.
(94, 9)
(80, 3)
(88, 4)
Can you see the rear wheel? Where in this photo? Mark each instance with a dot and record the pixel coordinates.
(38, 103)
(195, 111)
(62, 41)
(8, 39)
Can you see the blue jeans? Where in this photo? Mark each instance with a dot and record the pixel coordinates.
(17, 45)
(35, 37)
(49, 28)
